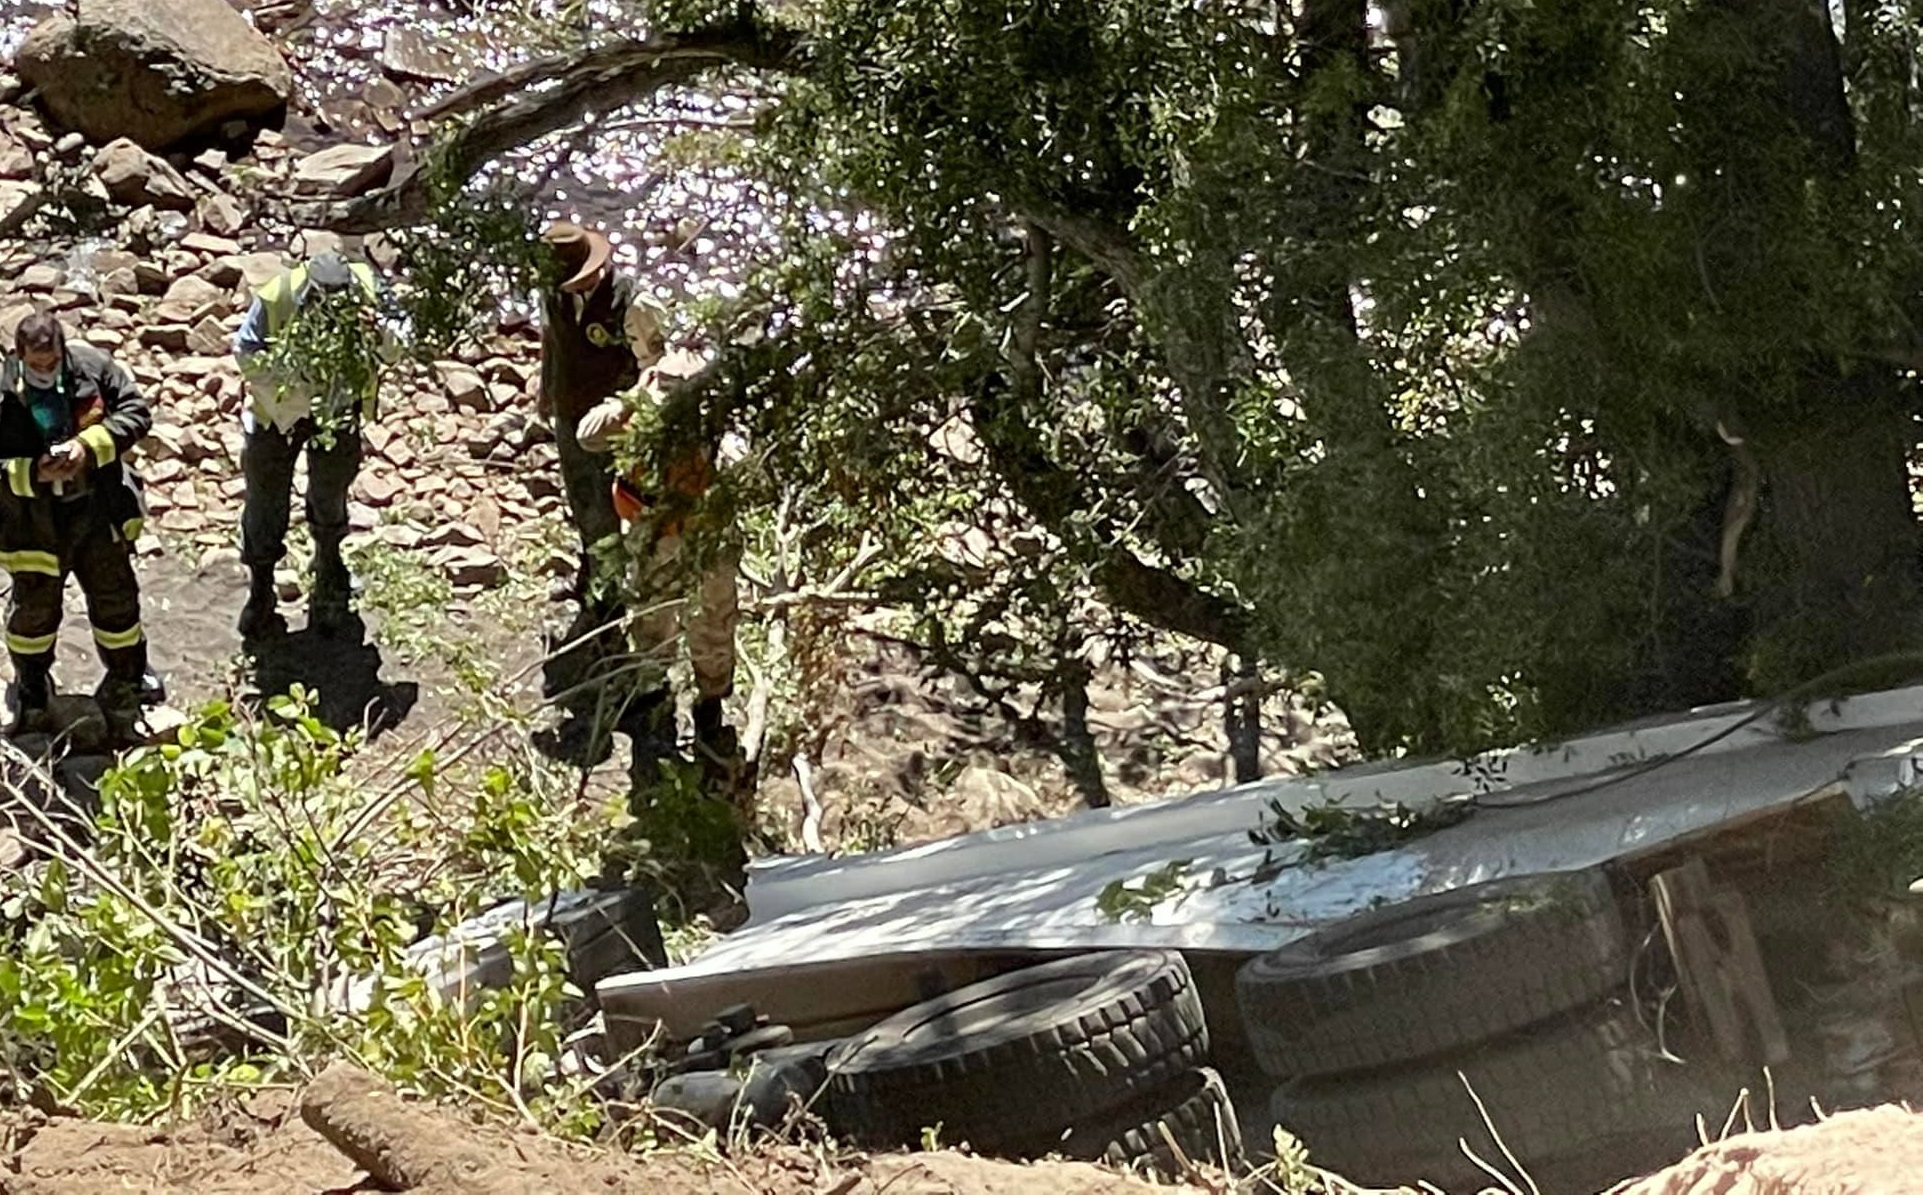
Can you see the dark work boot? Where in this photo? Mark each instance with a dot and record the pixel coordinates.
(330, 608)
(119, 700)
(261, 618)
(580, 654)
(585, 738)
(153, 690)
(29, 695)
(649, 719)
(716, 747)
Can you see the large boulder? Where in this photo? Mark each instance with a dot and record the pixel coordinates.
(157, 71)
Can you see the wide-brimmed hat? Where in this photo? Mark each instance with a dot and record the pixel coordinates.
(583, 250)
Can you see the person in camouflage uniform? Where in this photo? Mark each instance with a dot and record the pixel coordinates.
(684, 567)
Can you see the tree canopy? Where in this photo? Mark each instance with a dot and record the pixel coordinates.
(1511, 367)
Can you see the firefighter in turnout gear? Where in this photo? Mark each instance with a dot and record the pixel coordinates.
(69, 414)
(288, 414)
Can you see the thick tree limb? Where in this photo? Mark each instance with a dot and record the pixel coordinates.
(1200, 364)
(1162, 599)
(618, 75)
(1056, 497)
(599, 81)
(615, 76)
(1107, 245)
(492, 87)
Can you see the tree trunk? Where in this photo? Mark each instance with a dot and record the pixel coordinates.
(1242, 717)
(1077, 748)
(1695, 647)
(1834, 571)
(1312, 317)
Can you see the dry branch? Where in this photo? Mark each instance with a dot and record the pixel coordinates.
(810, 804)
(599, 81)
(402, 1148)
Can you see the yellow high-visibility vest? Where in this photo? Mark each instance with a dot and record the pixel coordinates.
(278, 296)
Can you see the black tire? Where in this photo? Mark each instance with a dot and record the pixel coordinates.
(1195, 1109)
(605, 933)
(1554, 1093)
(1429, 976)
(1032, 1052)
(614, 933)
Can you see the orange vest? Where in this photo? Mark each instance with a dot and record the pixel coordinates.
(688, 477)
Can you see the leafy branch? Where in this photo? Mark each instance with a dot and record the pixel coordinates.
(1123, 901)
(1332, 830)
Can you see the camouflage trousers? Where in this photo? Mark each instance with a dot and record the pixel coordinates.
(671, 604)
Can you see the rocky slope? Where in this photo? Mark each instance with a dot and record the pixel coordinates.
(154, 256)
(164, 283)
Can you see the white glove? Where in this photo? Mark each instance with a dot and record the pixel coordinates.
(600, 424)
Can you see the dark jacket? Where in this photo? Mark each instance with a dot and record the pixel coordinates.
(107, 414)
(587, 358)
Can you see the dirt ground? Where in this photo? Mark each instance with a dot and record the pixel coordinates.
(280, 1141)
(271, 1146)
(1855, 1153)
(903, 754)
(190, 609)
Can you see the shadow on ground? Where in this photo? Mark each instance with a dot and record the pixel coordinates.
(342, 670)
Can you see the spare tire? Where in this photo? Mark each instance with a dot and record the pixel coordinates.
(1433, 974)
(1196, 1112)
(1554, 1093)
(1022, 1055)
(604, 932)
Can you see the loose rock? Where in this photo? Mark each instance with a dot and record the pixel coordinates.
(193, 292)
(464, 386)
(209, 245)
(343, 171)
(220, 214)
(41, 277)
(133, 176)
(455, 535)
(18, 202)
(208, 337)
(378, 489)
(469, 566)
(16, 160)
(406, 54)
(156, 71)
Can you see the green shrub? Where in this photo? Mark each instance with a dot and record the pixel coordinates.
(243, 911)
